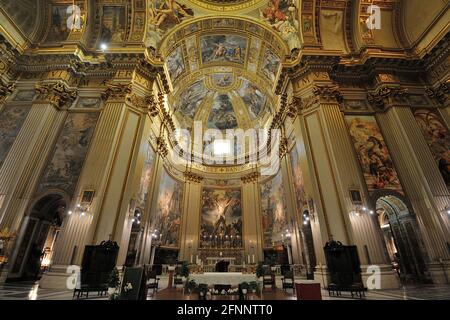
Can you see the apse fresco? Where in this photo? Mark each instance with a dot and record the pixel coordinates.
(253, 98)
(223, 80)
(437, 137)
(299, 183)
(146, 177)
(191, 99)
(270, 65)
(376, 163)
(166, 218)
(11, 120)
(113, 24)
(221, 217)
(223, 48)
(70, 152)
(222, 114)
(281, 16)
(274, 211)
(59, 30)
(175, 64)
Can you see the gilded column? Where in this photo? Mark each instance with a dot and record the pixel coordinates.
(252, 225)
(190, 229)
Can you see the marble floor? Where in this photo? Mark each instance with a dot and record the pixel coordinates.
(31, 291)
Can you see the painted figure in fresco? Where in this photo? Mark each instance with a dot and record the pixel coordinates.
(175, 64)
(271, 65)
(170, 11)
(437, 137)
(281, 16)
(223, 48)
(373, 154)
(253, 98)
(222, 115)
(221, 216)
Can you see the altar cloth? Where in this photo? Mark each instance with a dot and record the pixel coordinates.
(224, 278)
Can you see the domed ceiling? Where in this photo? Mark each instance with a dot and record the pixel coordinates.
(222, 73)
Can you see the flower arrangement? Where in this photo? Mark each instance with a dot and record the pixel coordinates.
(114, 284)
(128, 287)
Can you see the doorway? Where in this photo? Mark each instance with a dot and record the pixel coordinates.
(309, 255)
(402, 238)
(37, 237)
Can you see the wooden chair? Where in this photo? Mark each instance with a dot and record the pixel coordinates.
(177, 278)
(267, 278)
(153, 281)
(288, 281)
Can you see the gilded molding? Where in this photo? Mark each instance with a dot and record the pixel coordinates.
(386, 96)
(283, 148)
(251, 177)
(56, 93)
(192, 177)
(161, 146)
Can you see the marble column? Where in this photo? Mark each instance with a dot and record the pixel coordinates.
(421, 180)
(334, 171)
(28, 156)
(190, 227)
(253, 240)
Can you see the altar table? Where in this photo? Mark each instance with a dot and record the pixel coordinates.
(223, 278)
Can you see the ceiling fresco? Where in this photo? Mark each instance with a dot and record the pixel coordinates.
(222, 98)
(282, 16)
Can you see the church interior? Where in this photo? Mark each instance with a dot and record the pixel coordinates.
(224, 150)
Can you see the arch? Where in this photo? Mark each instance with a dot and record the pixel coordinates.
(39, 230)
(237, 25)
(399, 230)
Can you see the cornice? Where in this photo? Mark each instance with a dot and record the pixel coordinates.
(440, 94)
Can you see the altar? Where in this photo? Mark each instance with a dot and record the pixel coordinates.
(215, 260)
(220, 278)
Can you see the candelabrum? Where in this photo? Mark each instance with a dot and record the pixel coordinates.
(360, 209)
(82, 210)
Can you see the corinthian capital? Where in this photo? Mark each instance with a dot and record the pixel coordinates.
(328, 93)
(116, 90)
(56, 93)
(386, 97)
(440, 93)
(5, 90)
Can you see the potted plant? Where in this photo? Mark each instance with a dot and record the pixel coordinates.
(114, 284)
(191, 286)
(253, 286)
